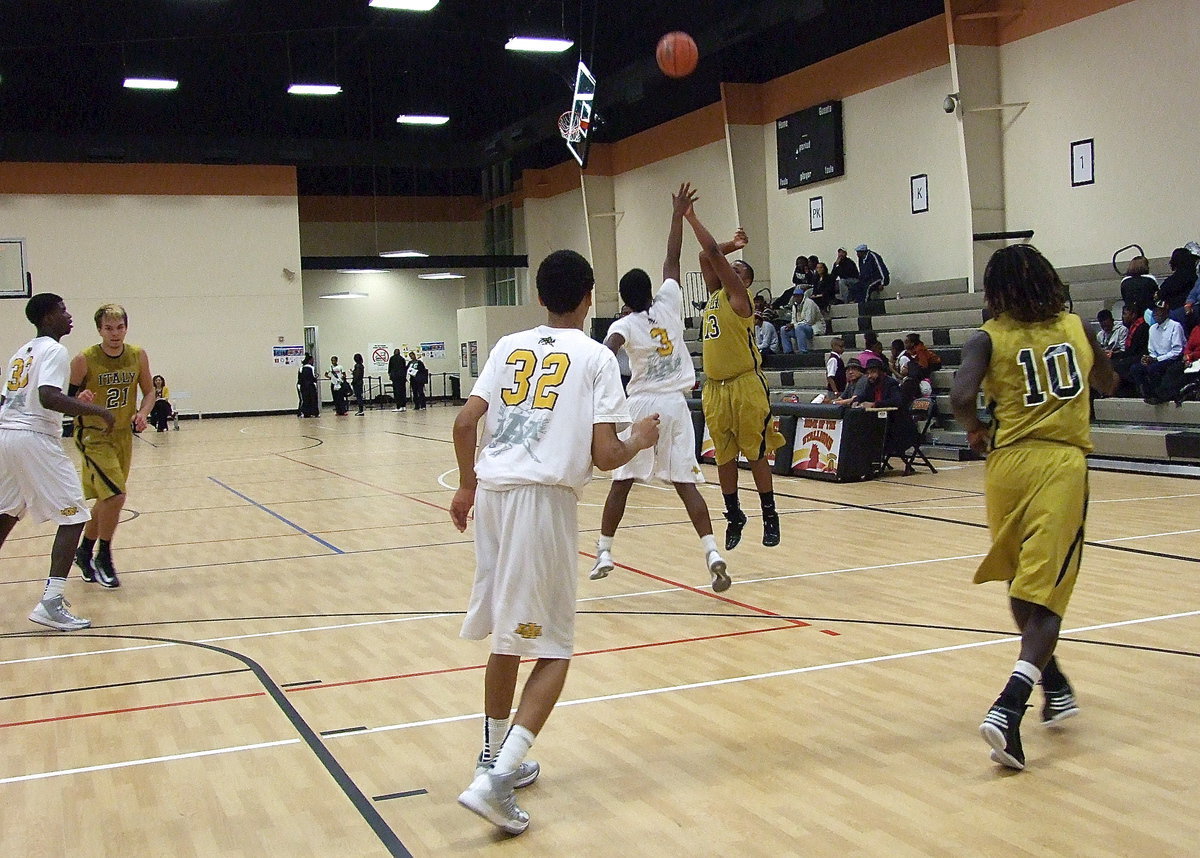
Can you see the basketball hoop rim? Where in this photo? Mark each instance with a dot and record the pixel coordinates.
(569, 127)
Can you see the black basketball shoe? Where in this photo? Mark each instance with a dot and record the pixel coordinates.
(83, 559)
(1001, 728)
(733, 533)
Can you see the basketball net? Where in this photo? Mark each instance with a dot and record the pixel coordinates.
(568, 127)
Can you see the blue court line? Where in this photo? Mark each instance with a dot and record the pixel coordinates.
(307, 533)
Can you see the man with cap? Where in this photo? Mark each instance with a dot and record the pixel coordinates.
(873, 275)
(856, 384)
(881, 390)
(846, 273)
(1159, 375)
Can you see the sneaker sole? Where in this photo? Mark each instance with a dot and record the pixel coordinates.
(114, 584)
(994, 736)
(720, 577)
(1059, 717)
(58, 627)
(473, 802)
(84, 573)
(599, 572)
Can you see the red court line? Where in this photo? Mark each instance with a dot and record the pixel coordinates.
(707, 593)
(365, 483)
(372, 679)
(133, 709)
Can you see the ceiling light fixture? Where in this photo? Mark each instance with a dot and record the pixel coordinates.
(314, 89)
(151, 83)
(538, 45)
(362, 271)
(406, 5)
(441, 275)
(346, 295)
(402, 254)
(421, 119)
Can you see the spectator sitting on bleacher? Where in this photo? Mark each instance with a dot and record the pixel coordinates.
(1111, 337)
(835, 368)
(795, 337)
(898, 359)
(1191, 312)
(824, 292)
(871, 349)
(800, 274)
(918, 351)
(856, 383)
(1137, 342)
(916, 385)
(1138, 287)
(1159, 375)
(846, 273)
(873, 276)
(1175, 289)
(765, 335)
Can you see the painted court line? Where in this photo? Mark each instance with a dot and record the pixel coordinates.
(272, 512)
(603, 698)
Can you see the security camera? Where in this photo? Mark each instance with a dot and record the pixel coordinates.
(950, 102)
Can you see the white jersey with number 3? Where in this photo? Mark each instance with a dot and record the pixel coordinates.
(41, 361)
(545, 389)
(658, 357)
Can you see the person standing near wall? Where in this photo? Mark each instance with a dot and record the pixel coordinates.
(310, 400)
(396, 372)
(418, 376)
(338, 386)
(112, 371)
(356, 383)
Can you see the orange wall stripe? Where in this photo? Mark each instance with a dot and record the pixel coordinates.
(1036, 16)
(148, 179)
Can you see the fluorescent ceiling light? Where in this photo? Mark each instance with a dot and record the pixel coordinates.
(420, 119)
(402, 254)
(362, 271)
(541, 46)
(150, 83)
(442, 275)
(346, 295)
(407, 5)
(314, 89)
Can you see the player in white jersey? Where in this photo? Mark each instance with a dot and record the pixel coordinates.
(553, 404)
(662, 375)
(36, 477)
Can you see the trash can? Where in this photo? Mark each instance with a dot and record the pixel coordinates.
(455, 389)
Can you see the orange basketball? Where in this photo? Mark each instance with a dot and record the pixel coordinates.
(677, 54)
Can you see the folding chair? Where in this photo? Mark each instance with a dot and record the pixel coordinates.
(922, 414)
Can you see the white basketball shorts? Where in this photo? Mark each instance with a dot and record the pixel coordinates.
(526, 572)
(38, 479)
(673, 458)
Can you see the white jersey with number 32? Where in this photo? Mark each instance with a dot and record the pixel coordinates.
(545, 389)
(658, 357)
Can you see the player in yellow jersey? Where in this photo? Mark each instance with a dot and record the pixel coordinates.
(735, 401)
(1034, 361)
(113, 371)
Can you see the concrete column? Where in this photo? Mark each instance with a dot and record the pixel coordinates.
(599, 205)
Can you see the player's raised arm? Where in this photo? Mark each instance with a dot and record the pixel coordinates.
(680, 203)
(713, 254)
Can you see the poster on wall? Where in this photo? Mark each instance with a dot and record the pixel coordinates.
(287, 355)
(433, 351)
(13, 280)
(473, 350)
(463, 346)
(380, 354)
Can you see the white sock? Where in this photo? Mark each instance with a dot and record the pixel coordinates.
(1029, 671)
(709, 543)
(494, 731)
(516, 745)
(54, 587)
(604, 543)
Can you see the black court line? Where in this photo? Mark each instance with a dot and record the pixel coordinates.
(351, 790)
(405, 794)
(344, 730)
(297, 684)
(418, 437)
(123, 684)
(979, 526)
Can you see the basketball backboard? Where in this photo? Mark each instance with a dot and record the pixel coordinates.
(581, 114)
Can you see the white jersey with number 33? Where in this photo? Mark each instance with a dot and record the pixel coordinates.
(658, 357)
(43, 361)
(545, 389)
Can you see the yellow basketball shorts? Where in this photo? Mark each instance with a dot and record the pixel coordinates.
(1036, 507)
(738, 414)
(106, 459)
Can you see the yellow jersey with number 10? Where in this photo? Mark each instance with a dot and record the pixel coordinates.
(1037, 381)
(727, 340)
(114, 381)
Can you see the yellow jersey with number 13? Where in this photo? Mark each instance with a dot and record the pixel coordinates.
(114, 381)
(1036, 384)
(727, 340)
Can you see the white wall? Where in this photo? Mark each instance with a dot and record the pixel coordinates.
(400, 309)
(552, 224)
(368, 239)
(643, 202)
(486, 325)
(892, 132)
(201, 277)
(1127, 78)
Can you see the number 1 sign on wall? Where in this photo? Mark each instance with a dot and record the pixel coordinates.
(1083, 163)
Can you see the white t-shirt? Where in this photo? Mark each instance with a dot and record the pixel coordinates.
(43, 361)
(658, 358)
(545, 389)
